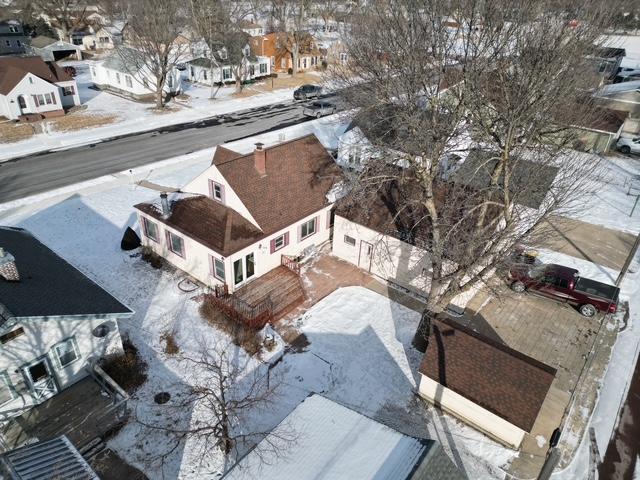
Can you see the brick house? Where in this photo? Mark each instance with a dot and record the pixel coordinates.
(277, 46)
(31, 88)
(245, 212)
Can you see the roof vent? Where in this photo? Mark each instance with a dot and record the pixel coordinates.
(8, 268)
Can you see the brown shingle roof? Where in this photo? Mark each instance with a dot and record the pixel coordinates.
(299, 174)
(13, 69)
(490, 374)
(604, 120)
(210, 223)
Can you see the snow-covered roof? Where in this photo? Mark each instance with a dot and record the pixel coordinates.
(335, 442)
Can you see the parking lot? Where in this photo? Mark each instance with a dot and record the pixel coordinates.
(556, 334)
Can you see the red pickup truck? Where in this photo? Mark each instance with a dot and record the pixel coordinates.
(565, 284)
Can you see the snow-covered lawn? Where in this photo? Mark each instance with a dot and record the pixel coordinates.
(135, 116)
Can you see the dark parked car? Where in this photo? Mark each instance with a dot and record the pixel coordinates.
(319, 109)
(70, 70)
(307, 91)
(565, 284)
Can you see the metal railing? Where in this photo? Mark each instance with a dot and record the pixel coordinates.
(110, 386)
(254, 316)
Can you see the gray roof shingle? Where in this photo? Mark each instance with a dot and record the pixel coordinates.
(49, 285)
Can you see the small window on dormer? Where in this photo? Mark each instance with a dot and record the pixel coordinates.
(30, 79)
(216, 190)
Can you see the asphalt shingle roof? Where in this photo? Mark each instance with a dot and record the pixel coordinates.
(49, 285)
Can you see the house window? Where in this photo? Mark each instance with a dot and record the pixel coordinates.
(216, 191)
(343, 58)
(354, 155)
(40, 100)
(145, 82)
(279, 242)
(170, 81)
(13, 29)
(67, 91)
(176, 244)
(204, 74)
(118, 78)
(31, 80)
(66, 352)
(350, 240)
(217, 268)
(7, 392)
(307, 229)
(7, 337)
(226, 73)
(223, 54)
(18, 43)
(128, 81)
(252, 70)
(150, 229)
(263, 68)
(7, 43)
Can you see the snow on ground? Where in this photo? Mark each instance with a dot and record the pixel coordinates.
(610, 197)
(631, 43)
(136, 116)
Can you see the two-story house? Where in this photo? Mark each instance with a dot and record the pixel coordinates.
(278, 46)
(234, 221)
(53, 322)
(32, 89)
(13, 40)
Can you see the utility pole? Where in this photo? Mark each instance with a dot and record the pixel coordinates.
(628, 261)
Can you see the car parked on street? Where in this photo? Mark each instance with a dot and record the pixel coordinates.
(628, 145)
(319, 109)
(306, 92)
(565, 284)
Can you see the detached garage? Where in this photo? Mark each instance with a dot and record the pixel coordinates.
(52, 50)
(483, 382)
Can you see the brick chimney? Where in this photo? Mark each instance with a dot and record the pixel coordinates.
(260, 158)
(164, 205)
(8, 268)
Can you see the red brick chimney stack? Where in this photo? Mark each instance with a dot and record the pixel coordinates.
(260, 157)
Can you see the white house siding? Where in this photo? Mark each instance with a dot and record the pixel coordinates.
(391, 259)
(109, 79)
(38, 341)
(68, 100)
(197, 259)
(200, 185)
(200, 74)
(471, 413)
(27, 87)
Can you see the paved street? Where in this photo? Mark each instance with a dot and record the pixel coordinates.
(39, 173)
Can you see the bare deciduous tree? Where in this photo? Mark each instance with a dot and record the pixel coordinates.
(66, 15)
(226, 398)
(435, 80)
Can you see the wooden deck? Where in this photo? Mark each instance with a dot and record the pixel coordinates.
(281, 284)
(82, 412)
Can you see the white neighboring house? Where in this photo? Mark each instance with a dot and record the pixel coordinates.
(124, 73)
(32, 89)
(199, 70)
(245, 212)
(252, 28)
(53, 321)
(51, 49)
(336, 442)
(106, 38)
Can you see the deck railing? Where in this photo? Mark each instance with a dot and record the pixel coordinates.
(254, 316)
(110, 386)
(291, 263)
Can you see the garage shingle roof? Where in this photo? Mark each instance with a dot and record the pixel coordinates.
(490, 374)
(49, 285)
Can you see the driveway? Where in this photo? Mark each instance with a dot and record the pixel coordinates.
(593, 243)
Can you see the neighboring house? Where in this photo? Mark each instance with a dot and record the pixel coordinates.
(199, 70)
(31, 89)
(483, 382)
(124, 72)
(13, 40)
(106, 38)
(276, 46)
(336, 442)
(52, 50)
(51, 459)
(252, 28)
(243, 213)
(389, 241)
(53, 321)
(337, 53)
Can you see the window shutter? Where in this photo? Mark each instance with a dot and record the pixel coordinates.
(328, 219)
(35, 100)
(286, 238)
(211, 188)
(272, 246)
(53, 98)
(168, 239)
(299, 232)
(222, 196)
